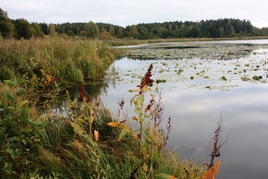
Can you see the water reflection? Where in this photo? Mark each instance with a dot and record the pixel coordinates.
(92, 89)
(196, 105)
(195, 113)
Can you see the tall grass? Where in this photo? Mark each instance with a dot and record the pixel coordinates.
(79, 143)
(66, 60)
(87, 140)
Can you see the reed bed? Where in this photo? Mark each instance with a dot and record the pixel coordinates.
(65, 60)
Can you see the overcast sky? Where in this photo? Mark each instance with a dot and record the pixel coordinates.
(129, 12)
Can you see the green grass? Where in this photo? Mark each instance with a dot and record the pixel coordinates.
(67, 146)
(87, 140)
(79, 144)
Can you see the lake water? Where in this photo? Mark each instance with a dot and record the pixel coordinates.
(195, 105)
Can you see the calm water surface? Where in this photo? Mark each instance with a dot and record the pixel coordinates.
(195, 106)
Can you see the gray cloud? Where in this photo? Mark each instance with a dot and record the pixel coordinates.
(121, 12)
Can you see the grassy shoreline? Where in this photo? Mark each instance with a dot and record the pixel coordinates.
(66, 61)
(87, 140)
(123, 42)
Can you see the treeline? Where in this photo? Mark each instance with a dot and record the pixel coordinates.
(228, 27)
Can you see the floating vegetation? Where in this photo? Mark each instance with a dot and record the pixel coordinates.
(165, 64)
(179, 71)
(224, 78)
(257, 78)
(208, 64)
(244, 78)
(160, 81)
(189, 50)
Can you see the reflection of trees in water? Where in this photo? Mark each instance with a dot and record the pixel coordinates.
(92, 89)
(219, 51)
(112, 75)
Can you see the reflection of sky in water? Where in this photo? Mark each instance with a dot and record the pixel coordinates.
(195, 111)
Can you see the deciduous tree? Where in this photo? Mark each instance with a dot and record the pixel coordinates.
(37, 30)
(23, 29)
(6, 26)
(92, 30)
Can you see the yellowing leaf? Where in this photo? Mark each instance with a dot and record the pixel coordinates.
(96, 135)
(134, 118)
(48, 79)
(117, 124)
(114, 124)
(123, 126)
(134, 90)
(67, 121)
(212, 172)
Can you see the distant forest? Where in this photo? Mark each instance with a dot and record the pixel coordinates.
(221, 28)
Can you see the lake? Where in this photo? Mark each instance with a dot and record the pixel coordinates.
(202, 82)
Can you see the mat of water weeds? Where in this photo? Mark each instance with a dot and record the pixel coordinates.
(204, 65)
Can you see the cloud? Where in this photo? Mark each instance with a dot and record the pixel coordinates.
(119, 12)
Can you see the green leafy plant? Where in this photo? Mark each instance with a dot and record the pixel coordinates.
(20, 130)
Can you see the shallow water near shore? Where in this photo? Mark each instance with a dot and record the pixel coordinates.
(201, 82)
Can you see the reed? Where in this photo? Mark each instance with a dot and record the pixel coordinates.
(67, 60)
